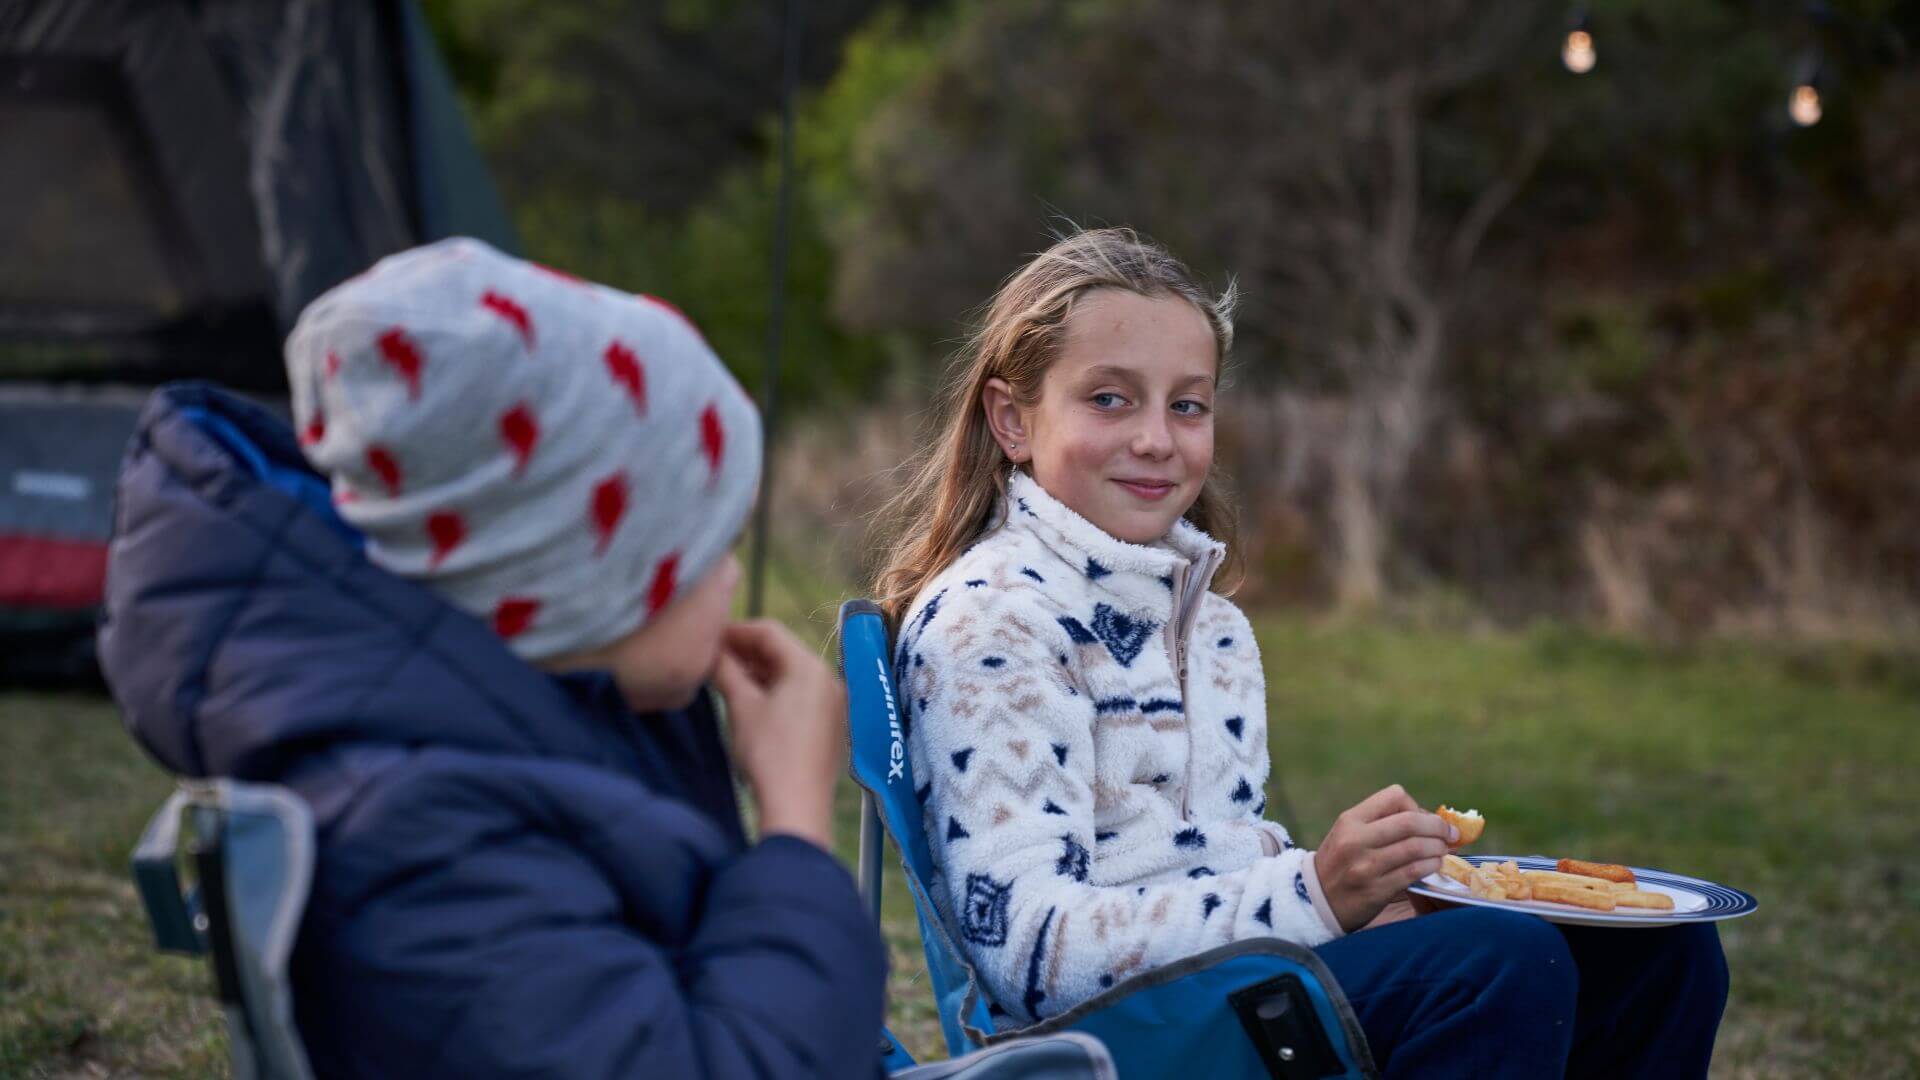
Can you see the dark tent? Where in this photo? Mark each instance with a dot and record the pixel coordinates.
(177, 179)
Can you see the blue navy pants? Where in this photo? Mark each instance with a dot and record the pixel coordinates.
(1473, 992)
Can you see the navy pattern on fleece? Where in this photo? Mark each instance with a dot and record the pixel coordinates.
(516, 874)
(1090, 721)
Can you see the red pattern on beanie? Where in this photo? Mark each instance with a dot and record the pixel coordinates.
(670, 307)
(514, 615)
(385, 467)
(520, 431)
(665, 581)
(661, 301)
(604, 449)
(713, 438)
(627, 373)
(572, 279)
(608, 508)
(446, 530)
(510, 310)
(401, 354)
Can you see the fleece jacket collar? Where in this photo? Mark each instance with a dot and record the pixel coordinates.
(1166, 578)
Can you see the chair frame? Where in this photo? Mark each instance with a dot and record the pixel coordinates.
(250, 976)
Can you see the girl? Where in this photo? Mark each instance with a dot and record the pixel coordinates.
(1088, 718)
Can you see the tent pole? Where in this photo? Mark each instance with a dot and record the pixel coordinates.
(791, 21)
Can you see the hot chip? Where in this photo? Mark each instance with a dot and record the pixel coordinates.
(1506, 881)
(1560, 893)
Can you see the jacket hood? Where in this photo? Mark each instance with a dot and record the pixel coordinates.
(242, 623)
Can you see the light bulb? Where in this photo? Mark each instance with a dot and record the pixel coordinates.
(1578, 52)
(1804, 106)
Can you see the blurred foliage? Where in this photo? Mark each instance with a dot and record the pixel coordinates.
(1683, 321)
(635, 142)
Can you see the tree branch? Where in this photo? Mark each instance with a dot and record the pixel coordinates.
(1473, 227)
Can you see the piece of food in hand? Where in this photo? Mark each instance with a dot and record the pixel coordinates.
(1603, 871)
(1470, 824)
(1561, 893)
(1649, 901)
(1457, 868)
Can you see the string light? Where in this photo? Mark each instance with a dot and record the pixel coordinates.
(1804, 105)
(1577, 53)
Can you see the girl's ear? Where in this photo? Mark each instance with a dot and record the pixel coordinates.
(1004, 419)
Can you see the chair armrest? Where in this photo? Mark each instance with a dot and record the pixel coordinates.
(179, 926)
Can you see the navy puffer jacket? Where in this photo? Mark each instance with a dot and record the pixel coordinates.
(516, 874)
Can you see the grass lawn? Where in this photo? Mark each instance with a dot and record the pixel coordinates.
(1789, 775)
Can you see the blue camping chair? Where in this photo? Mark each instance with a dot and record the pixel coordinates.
(253, 856)
(1265, 1008)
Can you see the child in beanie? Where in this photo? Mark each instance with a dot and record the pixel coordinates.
(474, 635)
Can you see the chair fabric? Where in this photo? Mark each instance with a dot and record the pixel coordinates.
(1178, 1018)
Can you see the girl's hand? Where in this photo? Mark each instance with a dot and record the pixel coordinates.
(1374, 851)
(787, 714)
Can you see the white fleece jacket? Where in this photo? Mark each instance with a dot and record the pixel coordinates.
(1087, 723)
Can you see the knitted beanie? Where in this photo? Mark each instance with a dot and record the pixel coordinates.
(556, 457)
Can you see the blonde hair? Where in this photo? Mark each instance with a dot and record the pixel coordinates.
(956, 484)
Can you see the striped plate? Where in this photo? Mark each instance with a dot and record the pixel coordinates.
(1694, 900)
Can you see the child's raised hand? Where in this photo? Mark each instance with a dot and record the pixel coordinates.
(1375, 850)
(787, 714)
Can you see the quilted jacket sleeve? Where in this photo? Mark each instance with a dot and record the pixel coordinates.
(1004, 748)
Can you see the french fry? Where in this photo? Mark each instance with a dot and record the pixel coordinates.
(1578, 880)
(1562, 893)
(1517, 888)
(1609, 887)
(1603, 871)
(1483, 885)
